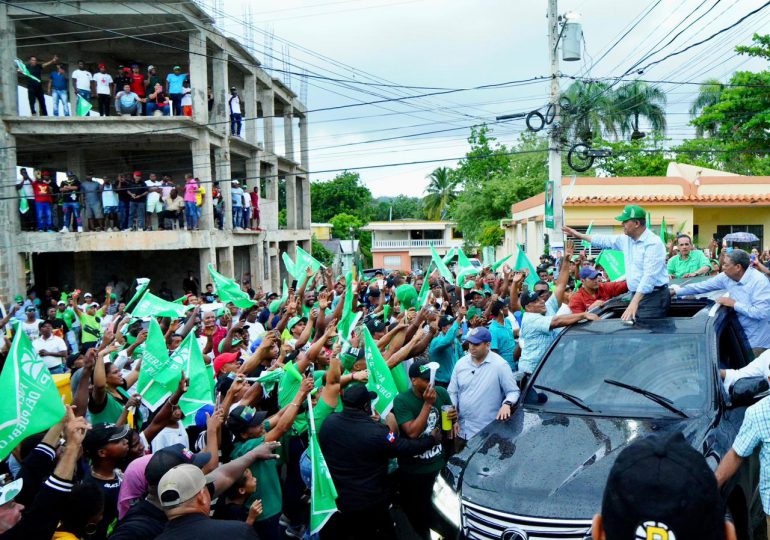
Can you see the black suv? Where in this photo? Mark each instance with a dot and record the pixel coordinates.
(601, 386)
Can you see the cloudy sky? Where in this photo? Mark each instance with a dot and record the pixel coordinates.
(463, 44)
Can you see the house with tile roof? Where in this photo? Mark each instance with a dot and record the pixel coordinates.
(703, 203)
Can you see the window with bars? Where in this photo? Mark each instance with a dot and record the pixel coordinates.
(579, 245)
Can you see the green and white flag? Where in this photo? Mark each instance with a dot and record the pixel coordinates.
(141, 288)
(613, 263)
(586, 243)
(323, 494)
(82, 106)
(349, 318)
(441, 265)
(23, 203)
(497, 264)
(380, 378)
(522, 263)
(269, 379)
(663, 232)
(24, 71)
(422, 297)
(464, 269)
(151, 305)
(229, 291)
(446, 259)
(297, 269)
(30, 401)
(201, 391)
(156, 378)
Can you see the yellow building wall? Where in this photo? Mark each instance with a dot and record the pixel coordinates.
(708, 218)
(322, 232)
(581, 216)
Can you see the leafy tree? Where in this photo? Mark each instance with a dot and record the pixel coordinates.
(485, 159)
(321, 253)
(637, 99)
(342, 225)
(441, 191)
(345, 193)
(709, 94)
(642, 157)
(591, 112)
(491, 234)
(401, 207)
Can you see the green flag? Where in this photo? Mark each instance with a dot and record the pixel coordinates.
(306, 260)
(498, 264)
(323, 494)
(522, 263)
(156, 378)
(290, 266)
(663, 230)
(201, 391)
(229, 291)
(31, 403)
(24, 71)
(151, 305)
(380, 378)
(442, 268)
(586, 243)
(82, 106)
(464, 268)
(141, 288)
(613, 263)
(23, 203)
(268, 379)
(349, 318)
(180, 300)
(422, 297)
(446, 259)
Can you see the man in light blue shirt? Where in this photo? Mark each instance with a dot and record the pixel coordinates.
(748, 294)
(645, 258)
(446, 349)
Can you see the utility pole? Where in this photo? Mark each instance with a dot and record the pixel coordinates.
(555, 235)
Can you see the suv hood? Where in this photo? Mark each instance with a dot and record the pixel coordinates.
(555, 465)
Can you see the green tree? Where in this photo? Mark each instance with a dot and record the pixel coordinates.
(342, 224)
(441, 191)
(345, 193)
(321, 253)
(635, 100)
(643, 157)
(401, 207)
(491, 234)
(591, 113)
(485, 159)
(709, 94)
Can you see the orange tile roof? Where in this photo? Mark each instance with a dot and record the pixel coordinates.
(763, 198)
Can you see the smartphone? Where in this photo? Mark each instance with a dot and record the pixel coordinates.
(309, 370)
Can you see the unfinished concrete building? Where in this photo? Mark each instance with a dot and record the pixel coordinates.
(272, 152)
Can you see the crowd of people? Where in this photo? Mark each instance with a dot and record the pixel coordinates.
(299, 362)
(128, 201)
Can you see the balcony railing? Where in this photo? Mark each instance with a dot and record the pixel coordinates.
(413, 243)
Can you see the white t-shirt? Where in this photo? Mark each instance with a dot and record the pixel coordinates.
(53, 344)
(103, 82)
(170, 436)
(82, 79)
(256, 331)
(27, 189)
(186, 98)
(109, 196)
(246, 200)
(235, 104)
(153, 197)
(31, 329)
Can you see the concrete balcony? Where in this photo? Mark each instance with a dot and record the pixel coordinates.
(409, 244)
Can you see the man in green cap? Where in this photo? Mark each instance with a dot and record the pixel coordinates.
(645, 259)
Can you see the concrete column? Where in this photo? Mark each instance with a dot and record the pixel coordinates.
(288, 135)
(305, 202)
(221, 90)
(255, 268)
(207, 256)
(223, 174)
(82, 270)
(271, 181)
(199, 77)
(267, 99)
(76, 163)
(250, 105)
(226, 263)
(303, 137)
(252, 171)
(291, 201)
(201, 159)
(275, 267)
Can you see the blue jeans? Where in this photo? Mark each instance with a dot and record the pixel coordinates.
(176, 102)
(60, 96)
(136, 211)
(237, 216)
(71, 208)
(43, 211)
(123, 209)
(85, 94)
(191, 215)
(235, 123)
(152, 107)
(56, 370)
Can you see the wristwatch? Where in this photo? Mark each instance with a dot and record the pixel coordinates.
(509, 403)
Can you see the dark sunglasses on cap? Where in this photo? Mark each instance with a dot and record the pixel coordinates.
(542, 292)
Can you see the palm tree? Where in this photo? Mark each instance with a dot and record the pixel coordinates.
(709, 94)
(590, 112)
(440, 193)
(635, 100)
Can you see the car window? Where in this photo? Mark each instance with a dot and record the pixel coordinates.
(731, 354)
(674, 367)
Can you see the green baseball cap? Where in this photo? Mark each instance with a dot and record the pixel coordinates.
(632, 211)
(294, 321)
(473, 312)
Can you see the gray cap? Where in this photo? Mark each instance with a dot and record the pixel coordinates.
(180, 484)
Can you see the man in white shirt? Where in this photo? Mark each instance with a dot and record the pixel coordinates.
(154, 204)
(759, 367)
(30, 324)
(104, 89)
(81, 79)
(235, 113)
(50, 349)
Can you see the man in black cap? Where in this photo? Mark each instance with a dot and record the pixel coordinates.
(357, 450)
(418, 413)
(146, 519)
(660, 488)
(377, 327)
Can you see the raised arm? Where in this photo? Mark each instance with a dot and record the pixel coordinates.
(563, 279)
(290, 412)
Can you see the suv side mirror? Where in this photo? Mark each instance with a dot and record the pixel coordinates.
(749, 390)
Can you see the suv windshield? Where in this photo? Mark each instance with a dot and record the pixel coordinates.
(669, 366)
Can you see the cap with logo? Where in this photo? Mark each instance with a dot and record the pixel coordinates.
(419, 370)
(181, 484)
(100, 435)
(167, 458)
(528, 297)
(589, 272)
(632, 211)
(242, 418)
(376, 325)
(445, 320)
(661, 487)
(478, 335)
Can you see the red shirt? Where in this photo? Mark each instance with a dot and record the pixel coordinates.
(137, 84)
(254, 199)
(42, 191)
(582, 299)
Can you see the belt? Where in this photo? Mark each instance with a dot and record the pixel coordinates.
(659, 287)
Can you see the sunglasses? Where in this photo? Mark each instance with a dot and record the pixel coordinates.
(543, 292)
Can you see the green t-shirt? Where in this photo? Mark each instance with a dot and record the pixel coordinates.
(287, 389)
(678, 267)
(407, 407)
(90, 328)
(268, 483)
(322, 411)
(111, 412)
(68, 316)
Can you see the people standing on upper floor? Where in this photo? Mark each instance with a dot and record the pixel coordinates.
(35, 87)
(175, 88)
(234, 104)
(58, 86)
(105, 87)
(81, 81)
